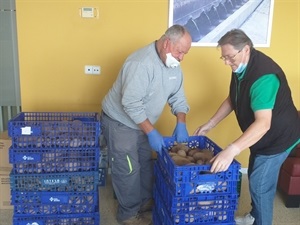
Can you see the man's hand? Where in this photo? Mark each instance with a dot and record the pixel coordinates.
(223, 159)
(180, 133)
(156, 141)
(203, 129)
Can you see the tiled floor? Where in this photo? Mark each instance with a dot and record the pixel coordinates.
(282, 215)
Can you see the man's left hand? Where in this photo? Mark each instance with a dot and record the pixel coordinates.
(223, 159)
(181, 133)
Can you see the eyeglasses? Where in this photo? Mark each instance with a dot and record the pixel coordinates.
(230, 58)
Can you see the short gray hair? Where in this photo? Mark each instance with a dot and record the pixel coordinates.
(175, 32)
(237, 38)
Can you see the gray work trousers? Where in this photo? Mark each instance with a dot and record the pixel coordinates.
(130, 158)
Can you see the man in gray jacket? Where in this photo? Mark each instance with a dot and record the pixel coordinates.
(149, 78)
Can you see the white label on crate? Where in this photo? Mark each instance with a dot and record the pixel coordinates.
(26, 131)
(207, 186)
(53, 199)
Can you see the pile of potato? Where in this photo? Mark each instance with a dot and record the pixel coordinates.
(183, 155)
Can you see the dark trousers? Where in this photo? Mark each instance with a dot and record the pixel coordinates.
(130, 158)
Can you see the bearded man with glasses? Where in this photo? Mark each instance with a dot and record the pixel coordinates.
(260, 97)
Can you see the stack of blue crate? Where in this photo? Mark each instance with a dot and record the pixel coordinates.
(55, 176)
(190, 194)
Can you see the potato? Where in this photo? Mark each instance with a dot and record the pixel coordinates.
(180, 161)
(183, 147)
(172, 153)
(207, 162)
(205, 155)
(200, 162)
(191, 152)
(209, 153)
(191, 159)
(199, 155)
(205, 202)
(178, 147)
(175, 149)
(181, 152)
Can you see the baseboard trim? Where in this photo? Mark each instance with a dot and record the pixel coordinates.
(244, 170)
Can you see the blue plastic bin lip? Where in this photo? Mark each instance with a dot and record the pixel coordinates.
(169, 139)
(85, 116)
(58, 216)
(39, 124)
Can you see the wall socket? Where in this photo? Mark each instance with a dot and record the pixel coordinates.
(92, 69)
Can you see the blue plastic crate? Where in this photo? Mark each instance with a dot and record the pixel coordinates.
(166, 221)
(102, 176)
(181, 205)
(194, 173)
(54, 160)
(219, 199)
(60, 182)
(155, 218)
(210, 216)
(196, 188)
(54, 219)
(44, 203)
(54, 130)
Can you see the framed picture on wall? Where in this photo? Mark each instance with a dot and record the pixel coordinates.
(208, 20)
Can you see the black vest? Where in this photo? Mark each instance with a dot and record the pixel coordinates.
(285, 124)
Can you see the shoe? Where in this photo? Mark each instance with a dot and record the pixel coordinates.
(137, 220)
(247, 219)
(147, 206)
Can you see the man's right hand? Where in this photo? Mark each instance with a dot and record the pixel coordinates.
(156, 141)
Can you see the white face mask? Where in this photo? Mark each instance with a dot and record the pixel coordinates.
(171, 62)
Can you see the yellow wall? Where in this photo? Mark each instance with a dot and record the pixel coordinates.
(55, 43)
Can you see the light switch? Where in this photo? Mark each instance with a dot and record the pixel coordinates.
(88, 12)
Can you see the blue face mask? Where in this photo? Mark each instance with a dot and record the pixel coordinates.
(240, 68)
